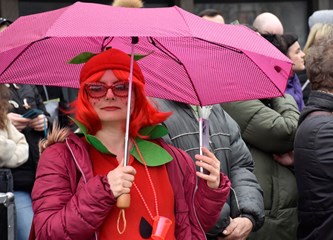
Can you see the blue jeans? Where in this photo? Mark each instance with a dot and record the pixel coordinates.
(24, 214)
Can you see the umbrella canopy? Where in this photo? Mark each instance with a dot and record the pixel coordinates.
(190, 59)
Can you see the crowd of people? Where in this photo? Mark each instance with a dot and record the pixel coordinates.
(266, 169)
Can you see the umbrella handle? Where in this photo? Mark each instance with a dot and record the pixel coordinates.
(124, 201)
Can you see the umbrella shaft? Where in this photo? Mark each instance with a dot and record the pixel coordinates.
(128, 113)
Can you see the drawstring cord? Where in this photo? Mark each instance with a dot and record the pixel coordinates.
(122, 211)
(151, 184)
(121, 216)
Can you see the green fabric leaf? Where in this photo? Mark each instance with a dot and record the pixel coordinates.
(97, 144)
(137, 57)
(82, 58)
(82, 128)
(153, 154)
(154, 132)
(90, 138)
(85, 56)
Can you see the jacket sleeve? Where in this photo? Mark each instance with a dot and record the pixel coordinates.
(205, 203)
(65, 205)
(14, 149)
(209, 202)
(269, 127)
(246, 195)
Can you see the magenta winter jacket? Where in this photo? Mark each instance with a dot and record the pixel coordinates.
(70, 203)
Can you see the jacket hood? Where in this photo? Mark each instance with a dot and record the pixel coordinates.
(74, 144)
(55, 136)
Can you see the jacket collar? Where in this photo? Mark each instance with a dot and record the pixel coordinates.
(318, 101)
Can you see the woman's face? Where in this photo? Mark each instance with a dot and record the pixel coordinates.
(296, 55)
(109, 97)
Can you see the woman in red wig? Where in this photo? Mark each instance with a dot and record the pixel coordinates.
(81, 179)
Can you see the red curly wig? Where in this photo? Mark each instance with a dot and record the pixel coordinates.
(144, 114)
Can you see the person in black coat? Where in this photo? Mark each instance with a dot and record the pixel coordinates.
(25, 98)
(58, 102)
(313, 153)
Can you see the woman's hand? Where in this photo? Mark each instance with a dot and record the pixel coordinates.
(121, 179)
(211, 164)
(18, 121)
(39, 123)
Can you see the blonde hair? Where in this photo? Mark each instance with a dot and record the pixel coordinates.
(128, 3)
(318, 31)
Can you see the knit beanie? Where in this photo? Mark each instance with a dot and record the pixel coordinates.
(289, 39)
(281, 42)
(111, 59)
(320, 16)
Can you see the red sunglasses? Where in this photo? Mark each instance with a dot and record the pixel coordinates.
(99, 90)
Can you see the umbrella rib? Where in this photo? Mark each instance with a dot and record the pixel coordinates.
(104, 41)
(165, 50)
(172, 56)
(21, 53)
(220, 45)
(240, 52)
(182, 16)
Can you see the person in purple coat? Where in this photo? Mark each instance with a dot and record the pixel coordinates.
(288, 44)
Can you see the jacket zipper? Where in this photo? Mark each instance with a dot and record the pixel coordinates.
(80, 169)
(236, 198)
(195, 212)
